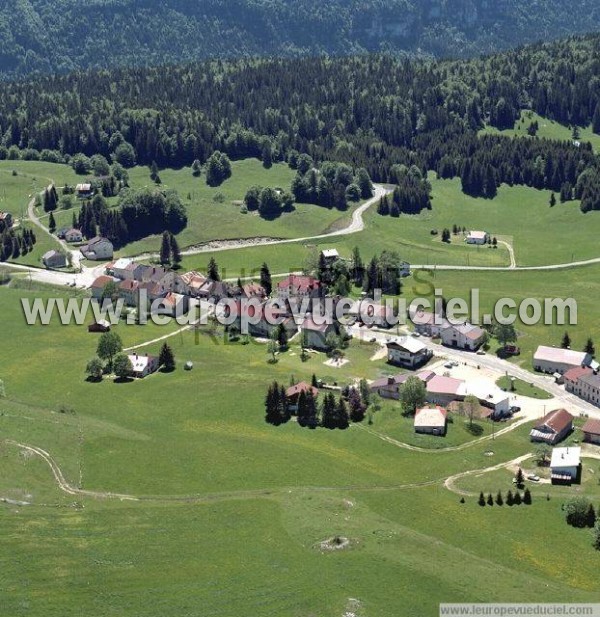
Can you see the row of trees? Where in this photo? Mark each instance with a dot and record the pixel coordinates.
(332, 413)
(511, 499)
(15, 243)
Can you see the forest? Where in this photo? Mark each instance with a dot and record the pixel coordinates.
(371, 112)
(63, 35)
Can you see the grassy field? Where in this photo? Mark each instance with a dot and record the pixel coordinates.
(519, 216)
(235, 509)
(522, 388)
(548, 129)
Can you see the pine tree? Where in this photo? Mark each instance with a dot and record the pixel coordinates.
(527, 497)
(566, 341)
(314, 382)
(213, 270)
(51, 223)
(520, 478)
(271, 403)
(166, 358)
(589, 347)
(552, 200)
(328, 411)
(282, 336)
(265, 279)
(590, 517)
(481, 501)
(596, 119)
(341, 414)
(517, 500)
(509, 498)
(499, 500)
(356, 406)
(490, 500)
(165, 248)
(175, 252)
(283, 406)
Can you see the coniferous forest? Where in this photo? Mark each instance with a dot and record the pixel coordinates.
(64, 35)
(373, 112)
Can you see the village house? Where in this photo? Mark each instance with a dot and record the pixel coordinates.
(293, 394)
(330, 256)
(553, 427)
(489, 396)
(591, 431)
(261, 321)
(466, 336)
(97, 249)
(128, 290)
(125, 268)
(253, 290)
(97, 287)
(173, 304)
(572, 376)
(429, 324)
(84, 190)
(565, 465)
(54, 259)
(369, 312)
(389, 387)
(153, 291)
(73, 235)
(588, 387)
(431, 421)
(408, 352)
(143, 365)
(442, 390)
(315, 335)
(299, 287)
(190, 283)
(556, 360)
(477, 237)
(6, 220)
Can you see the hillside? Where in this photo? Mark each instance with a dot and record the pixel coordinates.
(62, 35)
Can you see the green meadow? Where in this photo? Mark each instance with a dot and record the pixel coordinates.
(548, 129)
(232, 512)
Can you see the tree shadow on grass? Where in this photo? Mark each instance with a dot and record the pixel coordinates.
(475, 429)
(123, 380)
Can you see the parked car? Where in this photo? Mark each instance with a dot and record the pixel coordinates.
(480, 352)
(448, 365)
(515, 409)
(512, 350)
(533, 477)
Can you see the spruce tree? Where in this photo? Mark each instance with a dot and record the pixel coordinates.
(499, 500)
(552, 200)
(490, 500)
(517, 500)
(509, 498)
(165, 248)
(590, 517)
(51, 223)
(589, 347)
(175, 252)
(213, 270)
(566, 341)
(596, 536)
(481, 501)
(265, 279)
(520, 478)
(527, 497)
(283, 406)
(166, 358)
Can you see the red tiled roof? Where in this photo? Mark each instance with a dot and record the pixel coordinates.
(557, 420)
(101, 282)
(128, 285)
(299, 283)
(301, 387)
(575, 373)
(591, 426)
